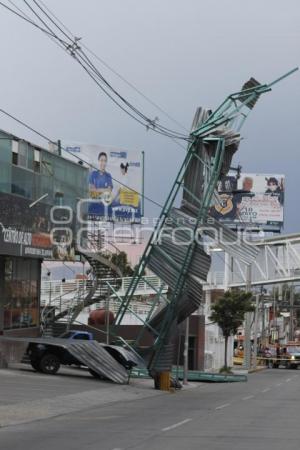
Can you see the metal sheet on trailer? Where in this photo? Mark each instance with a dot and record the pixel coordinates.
(128, 355)
(90, 353)
(96, 357)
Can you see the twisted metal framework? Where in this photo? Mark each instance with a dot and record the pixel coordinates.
(214, 139)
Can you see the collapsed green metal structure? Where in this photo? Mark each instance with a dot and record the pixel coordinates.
(183, 264)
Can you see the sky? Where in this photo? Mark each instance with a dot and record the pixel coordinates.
(181, 54)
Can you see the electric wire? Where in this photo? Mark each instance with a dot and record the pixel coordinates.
(75, 50)
(114, 71)
(131, 85)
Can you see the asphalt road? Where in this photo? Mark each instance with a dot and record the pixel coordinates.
(261, 414)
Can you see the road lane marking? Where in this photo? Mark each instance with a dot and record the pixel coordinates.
(287, 380)
(223, 406)
(266, 390)
(278, 384)
(171, 427)
(248, 398)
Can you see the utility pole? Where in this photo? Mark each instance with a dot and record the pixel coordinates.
(257, 297)
(186, 351)
(263, 324)
(247, 341)
(107, 318)
(292, 301)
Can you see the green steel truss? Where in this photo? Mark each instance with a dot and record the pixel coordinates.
(230, 115)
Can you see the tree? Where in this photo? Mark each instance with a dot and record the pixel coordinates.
(229, 313)
(120, 260)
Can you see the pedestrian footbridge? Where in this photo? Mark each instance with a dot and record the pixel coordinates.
(278, 261)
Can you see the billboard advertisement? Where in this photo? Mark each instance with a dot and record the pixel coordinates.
(252, 200)
(30, 232)
(115, 181)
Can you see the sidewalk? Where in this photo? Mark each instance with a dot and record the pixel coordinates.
(26, 396)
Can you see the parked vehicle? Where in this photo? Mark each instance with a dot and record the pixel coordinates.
(75, 334)
(288, 356)
(291, 354)
(105, 361)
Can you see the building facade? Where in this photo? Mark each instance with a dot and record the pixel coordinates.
(39, 190)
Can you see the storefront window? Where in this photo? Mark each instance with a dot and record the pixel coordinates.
(21, 293)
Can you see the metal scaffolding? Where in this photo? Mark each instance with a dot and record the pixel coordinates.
(183, 264)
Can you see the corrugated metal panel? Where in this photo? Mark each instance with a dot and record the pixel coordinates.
(232, 141)
(126, 355)
(96, 357)
(194, 178)
(90, 353)
(159, 266)
(226, 238)
(241, 250)
(169, 269)
(200, 117)
(176, 246)
(165, 359)
(248, 85)
(190, 301)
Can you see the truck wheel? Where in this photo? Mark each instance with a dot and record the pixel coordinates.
(49, 364)
(35, 365)
(97, 375)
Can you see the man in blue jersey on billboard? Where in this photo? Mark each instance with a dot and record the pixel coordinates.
(100, 187)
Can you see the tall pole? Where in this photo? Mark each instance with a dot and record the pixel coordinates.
(292, 299)
(257, 297)
(226, 271)
(186, 351)
(247, 341)
(263, 324)
(107, 319)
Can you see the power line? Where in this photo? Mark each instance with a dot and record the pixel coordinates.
(26, 19)
(75, 50)
(29, 19)
(114, 71)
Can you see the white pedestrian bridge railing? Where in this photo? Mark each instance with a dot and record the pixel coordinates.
(53, 291)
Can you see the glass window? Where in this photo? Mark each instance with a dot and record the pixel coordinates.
(23, 154)
(21, 293)
(15, 158)
(59, 199)
(37, 160)
(82, 337)
(22, 182)
(30, 159)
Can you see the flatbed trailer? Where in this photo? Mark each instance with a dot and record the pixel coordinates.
(104, 361)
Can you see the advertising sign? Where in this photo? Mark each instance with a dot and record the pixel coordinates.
(254, 200)
(115, 181)
(30, 232)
